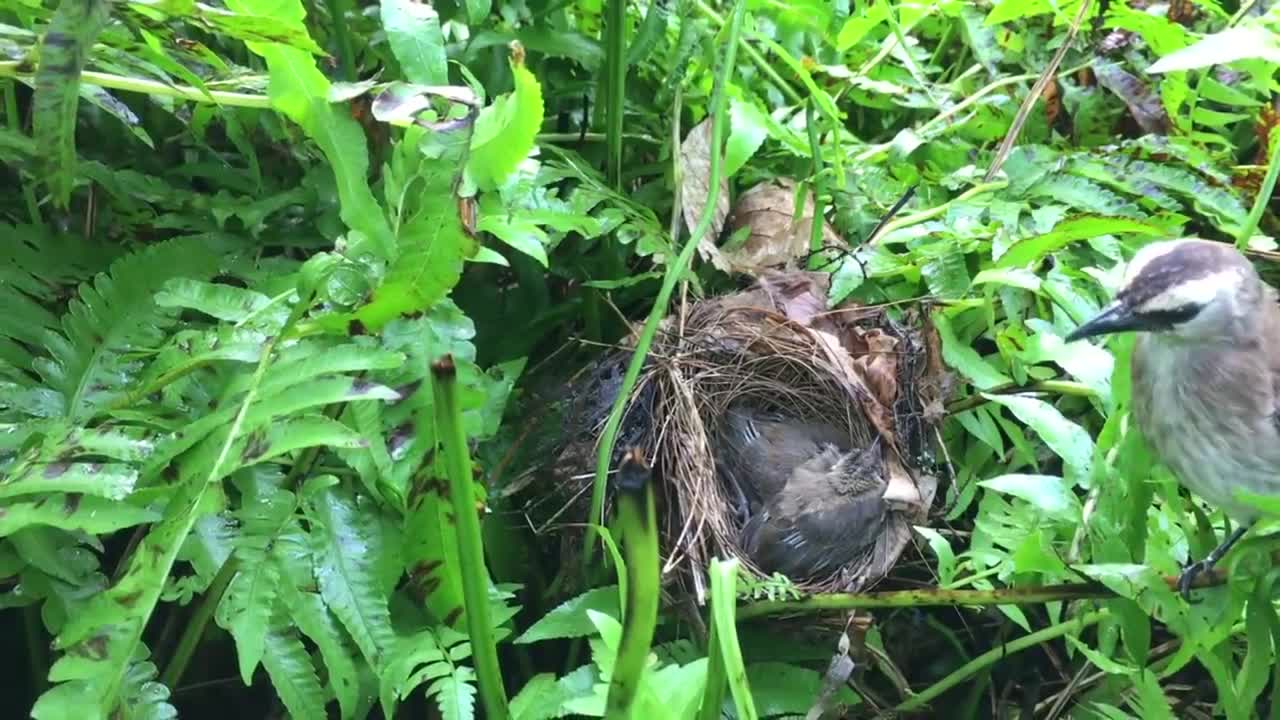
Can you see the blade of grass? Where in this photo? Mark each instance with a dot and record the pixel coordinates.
(1264, 193)
(673, 273)
(991, 657)
(724, 579)
(615, 37)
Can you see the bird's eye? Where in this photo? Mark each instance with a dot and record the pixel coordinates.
(1172, 316)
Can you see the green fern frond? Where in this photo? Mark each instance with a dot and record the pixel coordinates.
(343, 552)
(115, 316)
(292, 672)
(36, 266)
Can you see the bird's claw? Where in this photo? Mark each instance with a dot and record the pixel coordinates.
(1188, 577)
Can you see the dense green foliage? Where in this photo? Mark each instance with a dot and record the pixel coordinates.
(238, 238)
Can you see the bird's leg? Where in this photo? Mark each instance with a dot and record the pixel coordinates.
(1188, 577)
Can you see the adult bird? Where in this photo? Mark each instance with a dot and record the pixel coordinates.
(1205, 373)
(812, 502)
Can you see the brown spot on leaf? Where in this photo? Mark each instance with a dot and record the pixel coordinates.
(255, 448)
(72, 503)
(55, 469)
(452, 618)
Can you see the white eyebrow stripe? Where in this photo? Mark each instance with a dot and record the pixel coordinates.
(1200, 291)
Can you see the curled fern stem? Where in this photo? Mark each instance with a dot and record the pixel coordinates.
(638, 523)
(475, 581)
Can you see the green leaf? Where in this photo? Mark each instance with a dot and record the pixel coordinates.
(413, 29)
(541, 697)
(857, 26)
(965, 359)
(64, 50)
(296, 433)
(224, 302)
(1260, 622)
(1005, 10)
(1152, 702)
(246, 610)
(569, 619)
(505, 131)
(430, 242)
(293, 675)
(1243, 42)
(456, 694)
(109, 104)
(407, 656)
(111, 481)
(1104, 663)
(100, 639)
(300, 91)
(1047, 493)
(72, 512)
(308, 611)
(1066, 438)
(477, 11)
(1080, 228)
(748, 130)
(785, 690)
(944, 553)
(344, 572)
(116, 311)
(519, 232)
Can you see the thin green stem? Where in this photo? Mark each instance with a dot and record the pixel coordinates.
(194, 630)
(933, 597)
(475, 581)
(673, 274)
(615, 27)
(1264, 193)
(1056, 387)
(10, 69)
(925, 597)
(815, 151)
(761, 63)
(933, 212)
(338, 10)
(991, 657)
(969, 101)
(724, 582)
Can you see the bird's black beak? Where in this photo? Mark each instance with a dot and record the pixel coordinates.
(1116, 317)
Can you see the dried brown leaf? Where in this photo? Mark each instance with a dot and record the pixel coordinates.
(777, 236)
(695, 181)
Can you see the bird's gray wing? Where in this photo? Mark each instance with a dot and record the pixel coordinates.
(816, 543)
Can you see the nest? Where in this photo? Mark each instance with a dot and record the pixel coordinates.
(773, 346)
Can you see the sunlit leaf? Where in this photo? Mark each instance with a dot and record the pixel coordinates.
(1242, 42)
(413, 29)
(505, 131)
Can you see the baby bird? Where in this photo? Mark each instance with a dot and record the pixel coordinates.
(812, 503)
